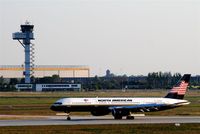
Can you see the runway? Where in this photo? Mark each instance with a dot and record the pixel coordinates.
(92, 120)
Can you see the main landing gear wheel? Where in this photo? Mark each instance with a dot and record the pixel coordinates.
(129, 117)
(68, 118)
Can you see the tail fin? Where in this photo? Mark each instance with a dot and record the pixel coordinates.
(178, 91)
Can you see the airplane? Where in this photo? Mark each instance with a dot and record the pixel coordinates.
(125, 106)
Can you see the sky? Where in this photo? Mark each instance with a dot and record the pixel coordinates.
(132, 37)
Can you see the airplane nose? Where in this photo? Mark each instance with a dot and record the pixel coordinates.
(53, 108)
(56, 107)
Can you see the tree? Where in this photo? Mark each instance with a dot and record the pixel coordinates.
(46, 79)
(13, 81)
(56, 78)
(1, 82)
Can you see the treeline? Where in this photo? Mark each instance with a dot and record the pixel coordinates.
(8, 84)
(162, 80)
(154, 80)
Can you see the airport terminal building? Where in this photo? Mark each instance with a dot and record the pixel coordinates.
(48, 87)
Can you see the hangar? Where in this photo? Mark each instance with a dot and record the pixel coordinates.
(39, 71)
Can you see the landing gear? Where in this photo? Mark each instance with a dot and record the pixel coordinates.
(68, 118)
(118, 117)
(130, 117)
(117, 114)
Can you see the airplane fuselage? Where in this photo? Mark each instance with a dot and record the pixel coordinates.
(90, 104)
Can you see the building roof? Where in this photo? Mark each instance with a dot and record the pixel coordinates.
(45, 67)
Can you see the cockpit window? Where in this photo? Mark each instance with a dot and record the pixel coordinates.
(58, 103)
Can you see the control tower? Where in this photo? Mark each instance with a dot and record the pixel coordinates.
(24, 37)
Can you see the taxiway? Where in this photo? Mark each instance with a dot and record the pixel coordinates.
(92, 120)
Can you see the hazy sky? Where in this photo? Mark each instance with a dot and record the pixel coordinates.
(125, 36)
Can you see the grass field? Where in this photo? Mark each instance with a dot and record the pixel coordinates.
(106, 129)
(34, 103)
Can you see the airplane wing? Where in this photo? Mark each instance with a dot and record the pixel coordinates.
(139, 107)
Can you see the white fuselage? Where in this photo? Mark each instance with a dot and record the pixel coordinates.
(117, 106)
(118, 101)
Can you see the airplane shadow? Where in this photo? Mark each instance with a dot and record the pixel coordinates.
(93, 119)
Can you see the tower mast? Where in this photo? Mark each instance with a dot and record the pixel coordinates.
(25, 37)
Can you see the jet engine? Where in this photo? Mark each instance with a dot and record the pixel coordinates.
(100, 111)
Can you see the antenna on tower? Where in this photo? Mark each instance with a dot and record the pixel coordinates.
(27, 22)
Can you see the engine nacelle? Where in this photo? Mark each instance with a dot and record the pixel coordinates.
(100, 111)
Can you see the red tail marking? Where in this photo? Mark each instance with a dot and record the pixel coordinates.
(181, 89)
